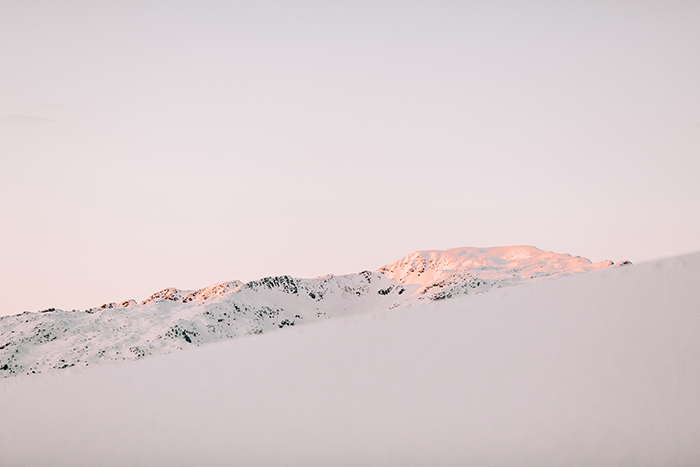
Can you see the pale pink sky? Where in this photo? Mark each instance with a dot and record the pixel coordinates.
(187, 143)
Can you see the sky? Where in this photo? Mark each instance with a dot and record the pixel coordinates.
(145, 145)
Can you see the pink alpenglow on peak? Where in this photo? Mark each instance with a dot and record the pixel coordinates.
(485, 267)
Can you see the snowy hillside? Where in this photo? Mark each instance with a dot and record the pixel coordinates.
(435, 274)
(174, 319)
(598, 369)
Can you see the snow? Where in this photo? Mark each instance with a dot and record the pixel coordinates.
(174, 319)
(594, 369)
(503, 265)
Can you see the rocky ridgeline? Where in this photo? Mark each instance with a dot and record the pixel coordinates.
(173, 319)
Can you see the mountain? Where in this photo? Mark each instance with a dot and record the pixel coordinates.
(593, 369)
(174, 319)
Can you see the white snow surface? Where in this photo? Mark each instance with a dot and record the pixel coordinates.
(174, 319)
(598, 369)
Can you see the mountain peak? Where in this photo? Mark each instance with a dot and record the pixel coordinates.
(174, 319)
(512, 264)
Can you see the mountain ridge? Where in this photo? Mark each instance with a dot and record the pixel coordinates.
(173, 319)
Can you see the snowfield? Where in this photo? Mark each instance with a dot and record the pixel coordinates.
(595, 369)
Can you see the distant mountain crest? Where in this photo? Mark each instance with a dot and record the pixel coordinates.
(437, 269)
(173, 319)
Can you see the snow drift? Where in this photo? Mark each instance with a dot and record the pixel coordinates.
(595, 369)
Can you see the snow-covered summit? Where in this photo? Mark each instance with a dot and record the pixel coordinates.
(174, 319)
(443, 273)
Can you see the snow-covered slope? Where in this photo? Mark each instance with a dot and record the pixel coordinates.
(436, 274)
(174, 319)
(597, 369)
